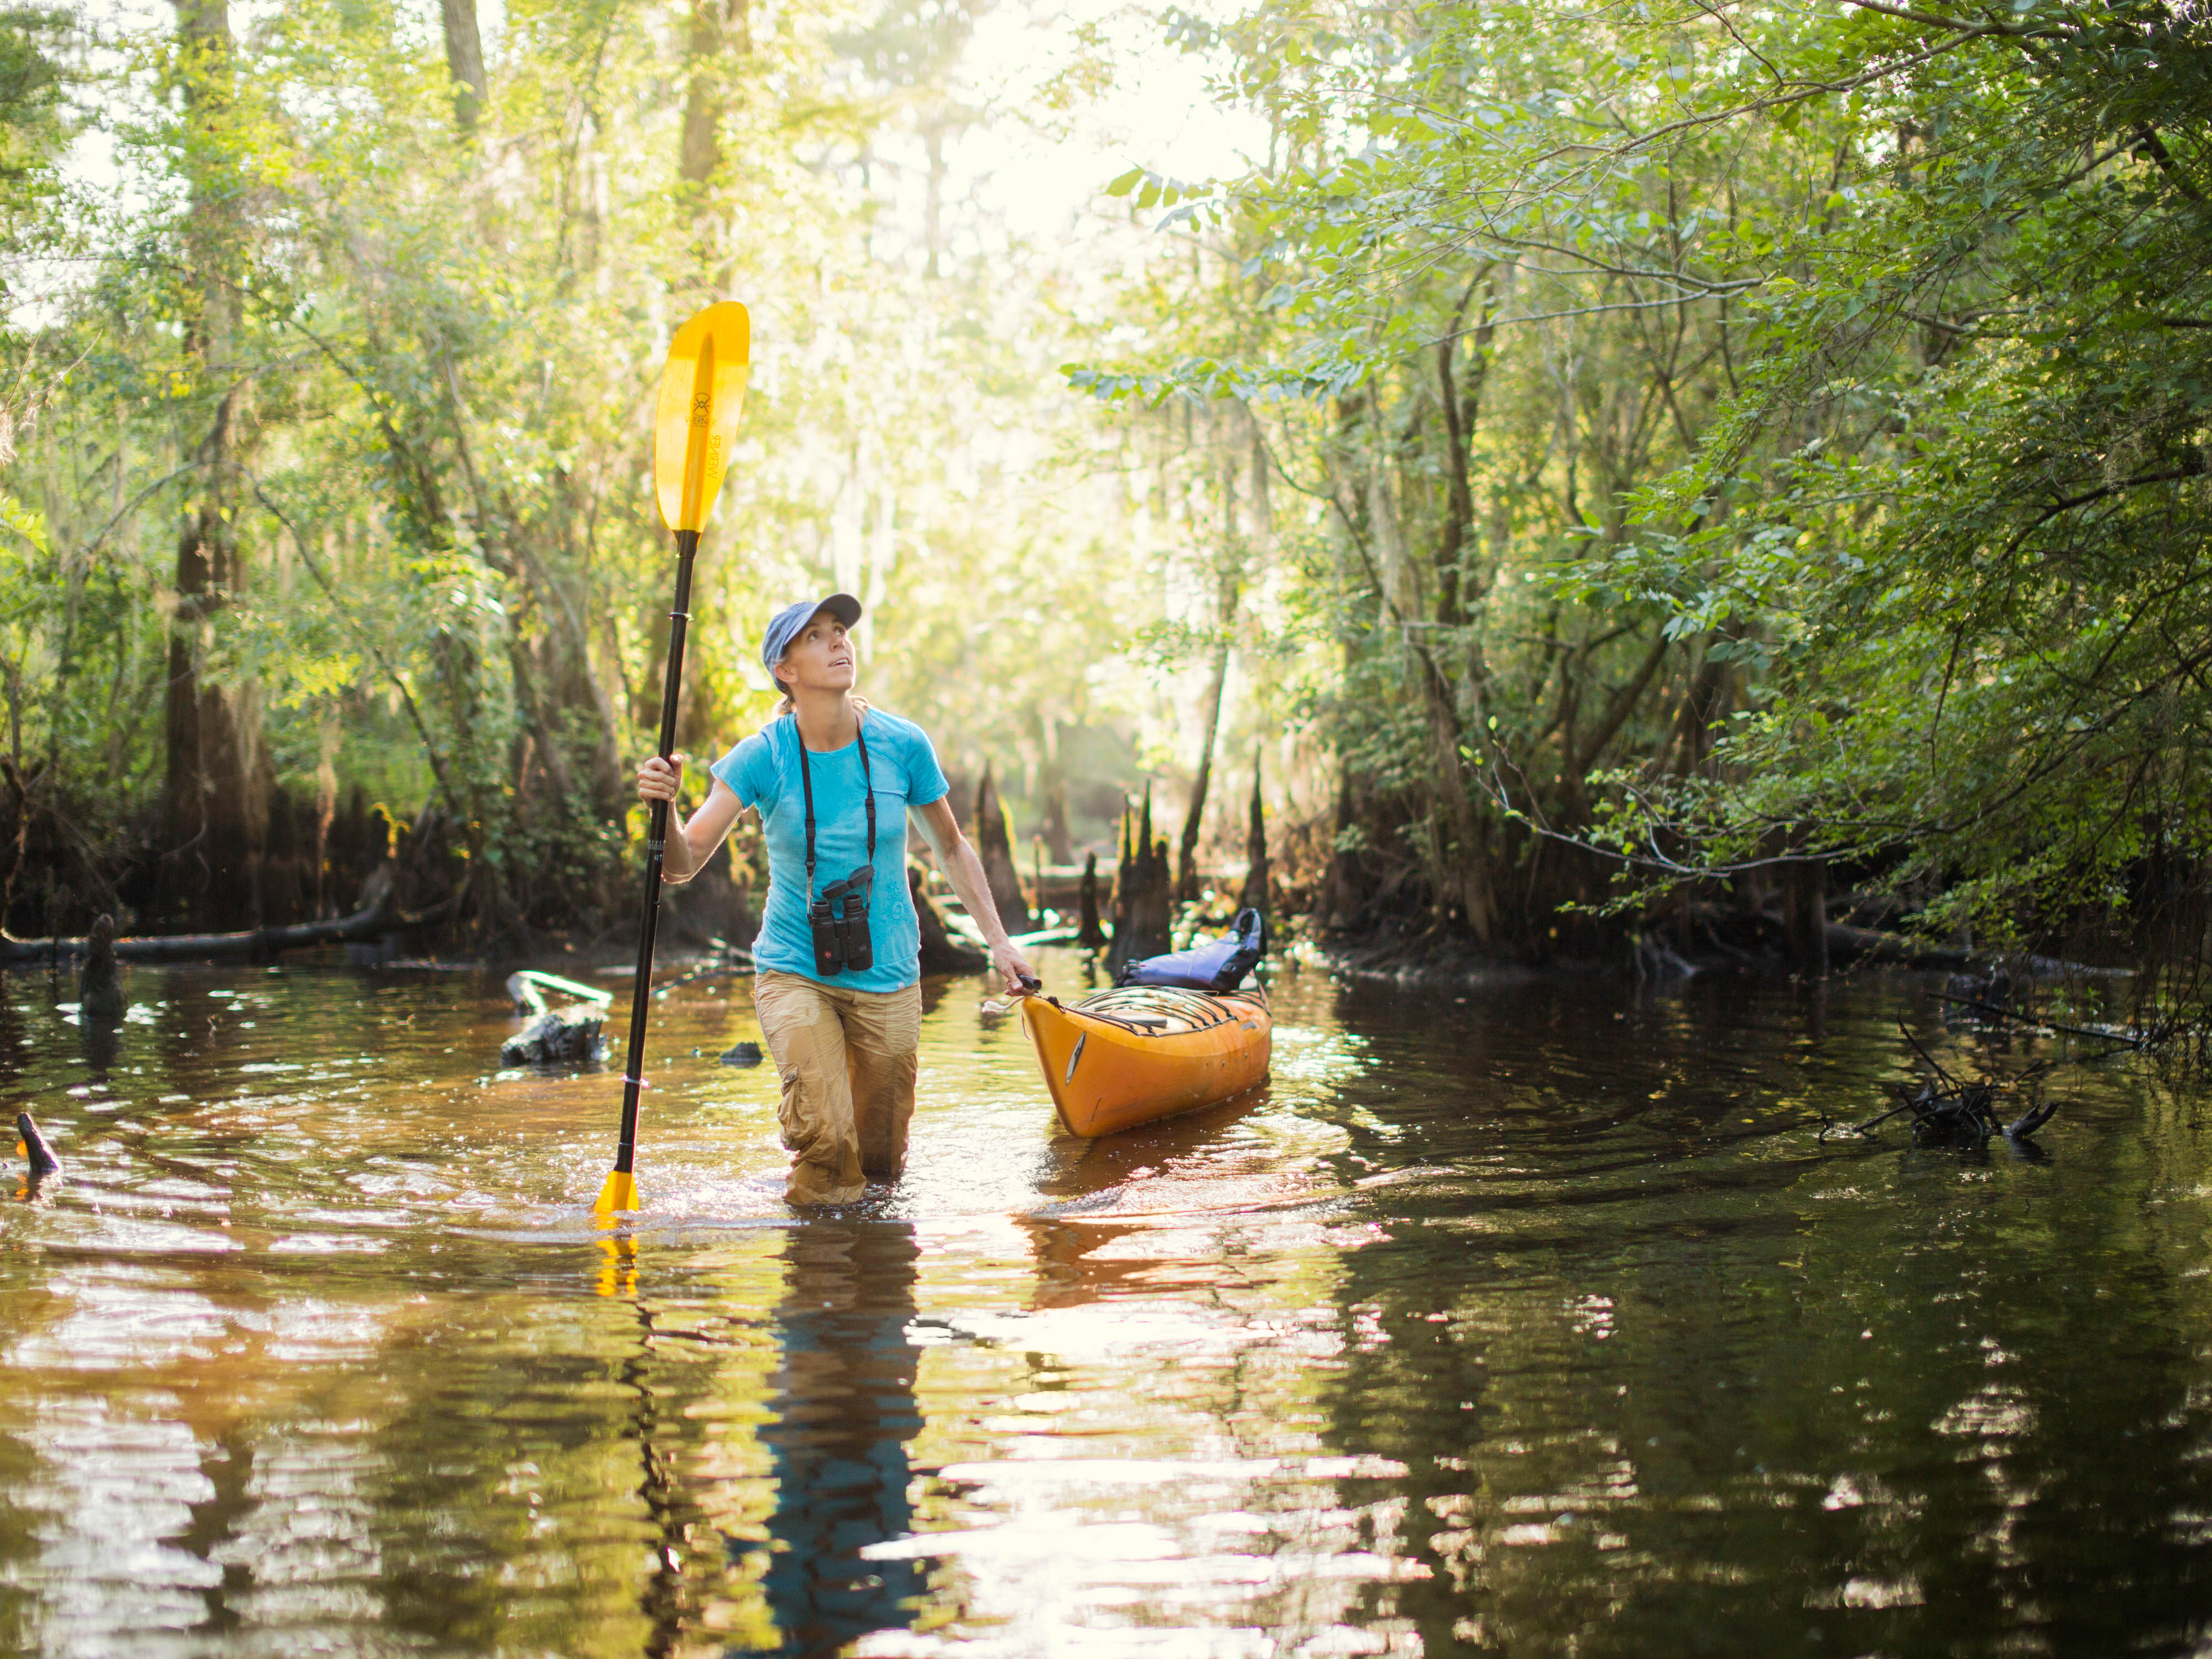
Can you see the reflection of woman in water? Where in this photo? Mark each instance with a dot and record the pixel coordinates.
(845, 1411)
(838, 989)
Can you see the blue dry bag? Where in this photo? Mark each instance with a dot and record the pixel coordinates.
(1217, 965)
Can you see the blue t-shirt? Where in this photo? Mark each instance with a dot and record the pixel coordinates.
(764, 772)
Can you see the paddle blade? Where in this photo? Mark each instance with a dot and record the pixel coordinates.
(702, 395)
(619, 1193)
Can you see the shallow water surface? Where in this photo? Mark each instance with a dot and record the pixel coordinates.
(1534, 1321)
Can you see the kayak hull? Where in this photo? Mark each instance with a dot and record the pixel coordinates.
(1128, 1057)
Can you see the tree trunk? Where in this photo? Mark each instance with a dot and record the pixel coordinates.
(464, 61)
(378, 916)
(932, 231)
(1228, 575)
(1340, 896)
(715, 31)
(1703, 705)
(1808, 895)
(1057, 844)
(1461, 406)
(99, 986)
(1466, 860)
(1152, 919)
(218, 777)
(1185, 886)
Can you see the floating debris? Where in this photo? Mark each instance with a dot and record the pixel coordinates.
(556, 1036)
(528, 987)
(559, 1036)
(1952, 1111)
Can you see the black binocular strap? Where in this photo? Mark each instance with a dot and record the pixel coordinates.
(806, 782)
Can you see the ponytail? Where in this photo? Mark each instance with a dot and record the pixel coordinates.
(860, 705)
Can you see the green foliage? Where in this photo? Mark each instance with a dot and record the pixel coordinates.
(1704, 435)
(391, 370)
(1833, 397)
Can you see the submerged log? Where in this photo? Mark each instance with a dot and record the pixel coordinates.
(1847, 942)
(99, 986)
(941, 952)
(1090, 933)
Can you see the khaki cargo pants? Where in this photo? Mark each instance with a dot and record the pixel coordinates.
(846, 1060)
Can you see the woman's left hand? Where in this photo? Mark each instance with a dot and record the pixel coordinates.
(1014, 968)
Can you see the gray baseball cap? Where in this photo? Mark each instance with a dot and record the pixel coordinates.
(784, 626)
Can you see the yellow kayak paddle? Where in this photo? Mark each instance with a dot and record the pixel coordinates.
(703, 394)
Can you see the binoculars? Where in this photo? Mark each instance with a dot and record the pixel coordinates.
(841, 941)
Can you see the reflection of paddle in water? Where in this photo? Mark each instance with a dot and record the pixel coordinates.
(845, 1413)
(666, 1601)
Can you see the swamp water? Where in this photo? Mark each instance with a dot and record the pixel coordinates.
(1533, 1323)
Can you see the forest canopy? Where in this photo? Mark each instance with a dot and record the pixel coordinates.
(1593, 461)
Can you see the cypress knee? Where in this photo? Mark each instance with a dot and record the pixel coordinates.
(1125, 888)
(942, 951)
(996, 849)
(1144, 900)
(1255, 895)
(99, 985)
(1090, 934)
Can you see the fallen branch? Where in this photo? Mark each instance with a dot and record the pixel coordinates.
(528, 988)
(2149, 1039)
(1870, 944)
(733, 960)
(1849, 944)
(378, 917)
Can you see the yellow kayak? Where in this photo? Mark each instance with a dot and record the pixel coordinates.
(1124, 1057)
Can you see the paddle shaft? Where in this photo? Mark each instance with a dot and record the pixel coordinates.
(656, 845)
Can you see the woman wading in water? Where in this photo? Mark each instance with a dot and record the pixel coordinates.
(839, 984)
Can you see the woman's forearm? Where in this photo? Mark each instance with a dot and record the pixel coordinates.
(679, 860)
(690, 842)
(965, 871)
